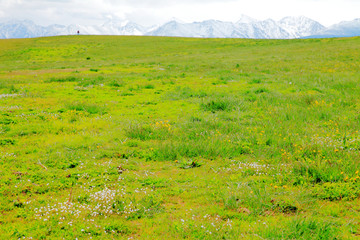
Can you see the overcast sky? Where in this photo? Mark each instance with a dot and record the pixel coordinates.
(146, 12)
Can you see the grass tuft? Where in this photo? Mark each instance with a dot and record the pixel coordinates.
(86, 107)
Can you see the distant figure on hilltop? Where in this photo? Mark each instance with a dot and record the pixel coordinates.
(78, 32)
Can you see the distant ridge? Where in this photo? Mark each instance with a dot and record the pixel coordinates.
(246, 27)
(342, 29)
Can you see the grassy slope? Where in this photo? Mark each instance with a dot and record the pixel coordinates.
(142, 137)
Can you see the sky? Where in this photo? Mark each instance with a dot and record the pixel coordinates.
(148, 13)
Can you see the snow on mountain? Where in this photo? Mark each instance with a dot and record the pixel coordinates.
(172, 29)
(28, 29)
(246, 19)
(289, 27)
(342, 29)
(108, 28)
(205, 29)
(21, 29)
(300, 26)
(213, 29)
(122, 28)
(134, 29)
(246, 27)
(267, 29)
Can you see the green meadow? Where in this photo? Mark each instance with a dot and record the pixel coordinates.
(105, 137)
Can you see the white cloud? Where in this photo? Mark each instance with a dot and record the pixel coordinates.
(148, 12)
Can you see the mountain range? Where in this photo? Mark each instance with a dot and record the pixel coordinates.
(246, 27)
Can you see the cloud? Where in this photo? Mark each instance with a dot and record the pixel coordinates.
(148, 12)
(162, 3)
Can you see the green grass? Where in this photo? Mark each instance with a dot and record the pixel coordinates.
(109, 137)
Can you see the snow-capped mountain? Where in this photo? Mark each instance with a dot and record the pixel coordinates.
(205, 29)
(263, 29)
(246, 27)
(122, 28)
(28, 29)
(20, 29)
(300, 26)
(342, 29)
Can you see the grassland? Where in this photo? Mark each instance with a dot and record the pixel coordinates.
(168, 138)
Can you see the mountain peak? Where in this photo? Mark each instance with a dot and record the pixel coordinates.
(246, 19)
(296, 20)
(174, 19)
